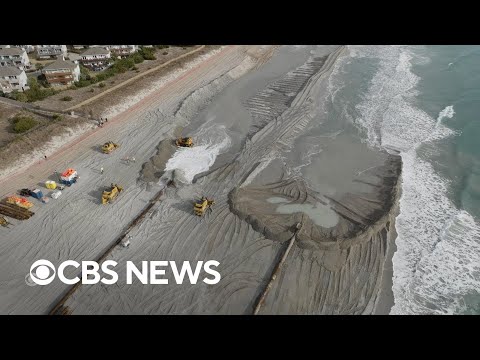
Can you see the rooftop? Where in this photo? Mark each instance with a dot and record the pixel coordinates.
(9, 71)
(11, 51)
(60, 64)
(96, 51)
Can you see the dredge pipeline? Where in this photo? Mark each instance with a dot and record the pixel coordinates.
(263, 296)
(59, 308)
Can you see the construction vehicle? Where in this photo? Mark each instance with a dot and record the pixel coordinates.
(184, 142)
(202, 205)
(4, 222)
(109, 146)
(25, 192)
(110, 194)
(69, 177)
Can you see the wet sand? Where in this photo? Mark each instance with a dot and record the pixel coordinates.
(267, 114)
(331, 270)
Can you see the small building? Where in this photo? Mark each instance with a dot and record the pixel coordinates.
(51, 51)
(28, 48)
(12, 78)
(62, 72)
(95, 58)
(122, 50)
(17, 57)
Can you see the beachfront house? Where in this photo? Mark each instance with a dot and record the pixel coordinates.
(95, 58)
(28, 48)
(12, 78)
(62, 72)
(122, 50)
(51, 51)
(12, 56)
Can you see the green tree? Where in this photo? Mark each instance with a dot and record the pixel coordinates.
(22, 123)
(147, 53)
(21, 97)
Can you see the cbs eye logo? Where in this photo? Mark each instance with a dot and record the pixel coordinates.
(42, 272)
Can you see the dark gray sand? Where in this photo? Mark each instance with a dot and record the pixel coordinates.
(270, 155)
(283, 164)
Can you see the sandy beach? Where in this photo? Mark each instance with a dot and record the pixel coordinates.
(265, 150)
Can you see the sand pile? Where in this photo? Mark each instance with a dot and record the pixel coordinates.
(154, 168)
(327, 221)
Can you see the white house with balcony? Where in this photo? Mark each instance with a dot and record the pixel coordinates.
(119, 50)
(12, 78)
(96, 58)
(62, 72)
(51, 51)
(13, 56)
(28, 48)
(122, 50)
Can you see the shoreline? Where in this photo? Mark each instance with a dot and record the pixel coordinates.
(386, 298)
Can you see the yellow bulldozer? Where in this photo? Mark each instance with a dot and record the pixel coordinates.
(109, 146)
(110, 194)
(184, 142)
(201, 206)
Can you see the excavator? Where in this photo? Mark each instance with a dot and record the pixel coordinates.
(110, 194)
(109, 146)
(184, 142)
(202, 205)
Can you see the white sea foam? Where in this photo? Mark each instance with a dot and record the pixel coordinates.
(188, 162)
(436, 261)
(448, 113)
(335, 82)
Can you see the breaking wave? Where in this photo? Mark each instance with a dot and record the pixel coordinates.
(446, 113)
(437, 244)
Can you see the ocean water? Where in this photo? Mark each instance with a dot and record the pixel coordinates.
(424, 102)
